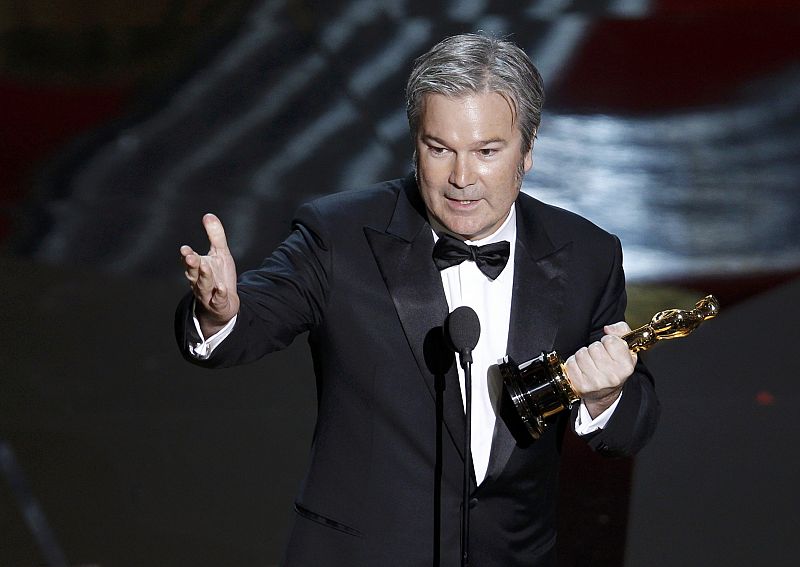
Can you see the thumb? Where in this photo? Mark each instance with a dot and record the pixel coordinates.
(215, 232)
(617, 329)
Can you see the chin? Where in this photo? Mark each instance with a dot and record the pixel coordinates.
(465, 230)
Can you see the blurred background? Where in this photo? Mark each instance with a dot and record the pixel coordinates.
(674, 124)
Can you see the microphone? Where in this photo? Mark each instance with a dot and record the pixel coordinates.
(462, 328)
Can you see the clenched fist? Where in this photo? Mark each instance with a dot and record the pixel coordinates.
(598, 372)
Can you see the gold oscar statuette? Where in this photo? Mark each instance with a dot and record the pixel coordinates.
(541, 388)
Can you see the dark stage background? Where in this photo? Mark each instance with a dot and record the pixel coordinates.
(674, 124)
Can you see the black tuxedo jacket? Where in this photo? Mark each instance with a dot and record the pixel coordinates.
(384, 483)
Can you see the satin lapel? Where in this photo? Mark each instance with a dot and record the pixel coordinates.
(540, 273)
(403, 255)
(540, 269)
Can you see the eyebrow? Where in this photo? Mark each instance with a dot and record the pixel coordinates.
(493, 141)
(478, 144)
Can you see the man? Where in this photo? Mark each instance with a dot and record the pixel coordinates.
(357, 272)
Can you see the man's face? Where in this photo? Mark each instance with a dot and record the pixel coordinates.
(469, 162)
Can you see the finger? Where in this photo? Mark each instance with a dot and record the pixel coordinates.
(215, 232)
(614, 345)
(192, 260)
(204, 285)
(617, 329)
(598, 361)
(191, 273)
(586, 363)
(615, 361)
(191, 263)
(186, 250)
(574, 375)
(619, 350)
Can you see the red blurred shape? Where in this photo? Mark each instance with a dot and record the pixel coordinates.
(36, 120)
(764, 398)
(42, 117)
(670, 62)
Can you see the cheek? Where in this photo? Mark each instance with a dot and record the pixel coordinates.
(506, 182)
(430, 195)
(423, 167)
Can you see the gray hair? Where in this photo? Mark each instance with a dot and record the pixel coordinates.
(468, 64)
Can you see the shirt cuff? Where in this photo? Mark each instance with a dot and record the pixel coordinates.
(584, 424)
(203, 349)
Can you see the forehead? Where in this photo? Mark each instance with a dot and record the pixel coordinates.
(489, 114)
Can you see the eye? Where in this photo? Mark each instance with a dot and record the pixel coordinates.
(487, 152)
(437, 150)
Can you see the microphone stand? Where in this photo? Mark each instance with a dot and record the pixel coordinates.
(463, 329)
(466, 364)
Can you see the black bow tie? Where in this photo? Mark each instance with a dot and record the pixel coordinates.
(490, 258)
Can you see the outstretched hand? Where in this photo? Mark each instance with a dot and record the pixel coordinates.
(212, 278)
(598, 372)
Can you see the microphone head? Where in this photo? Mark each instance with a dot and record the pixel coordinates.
(463, 329)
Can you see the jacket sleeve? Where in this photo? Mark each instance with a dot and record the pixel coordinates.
(634, 420)
(281, 299)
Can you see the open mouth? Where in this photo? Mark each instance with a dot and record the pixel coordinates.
(462, 201)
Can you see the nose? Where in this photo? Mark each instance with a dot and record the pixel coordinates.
(462, 174)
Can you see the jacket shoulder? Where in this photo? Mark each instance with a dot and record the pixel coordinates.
(563, 226)
(363, 206)
(552, 216)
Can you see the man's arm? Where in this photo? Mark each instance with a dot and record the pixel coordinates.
(282, 298)
(606, 371)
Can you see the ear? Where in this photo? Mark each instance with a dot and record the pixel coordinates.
(528, 160)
